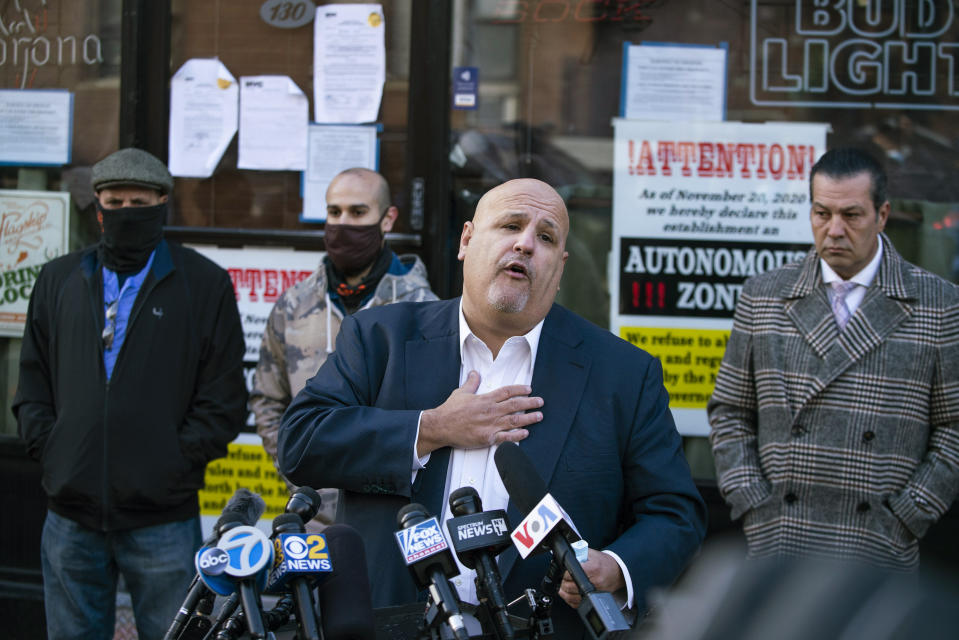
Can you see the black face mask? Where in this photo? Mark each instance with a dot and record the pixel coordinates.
(353, 248)
(129, 235)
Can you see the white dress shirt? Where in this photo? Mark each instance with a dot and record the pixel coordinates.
(864, 278)
(476, 467)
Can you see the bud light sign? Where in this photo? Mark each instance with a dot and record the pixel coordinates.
(421, 540)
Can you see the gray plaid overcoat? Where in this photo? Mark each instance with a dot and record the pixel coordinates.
(843, 444)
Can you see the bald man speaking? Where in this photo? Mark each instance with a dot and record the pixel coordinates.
(417, 396)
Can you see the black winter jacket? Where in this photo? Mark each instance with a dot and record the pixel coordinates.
(130, 452)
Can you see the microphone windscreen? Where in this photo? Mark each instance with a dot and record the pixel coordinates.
(523, 484)
(346, 606)
(287, 523)
(413, 513)
(305, 502)
(244, 503)
(465, 501)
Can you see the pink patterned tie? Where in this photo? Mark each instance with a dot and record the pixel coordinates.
(841, 289)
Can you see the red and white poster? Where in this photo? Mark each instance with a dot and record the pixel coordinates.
(697, 209)
(259, 276)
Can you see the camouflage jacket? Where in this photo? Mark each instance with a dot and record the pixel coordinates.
(300, 334)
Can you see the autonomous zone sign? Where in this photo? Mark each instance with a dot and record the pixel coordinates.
(665, 277)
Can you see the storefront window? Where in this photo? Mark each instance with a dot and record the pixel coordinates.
(550, 87)
(247, 45)
(71, 45)
(550, 71)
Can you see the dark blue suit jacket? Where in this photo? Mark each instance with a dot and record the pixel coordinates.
(607, 446)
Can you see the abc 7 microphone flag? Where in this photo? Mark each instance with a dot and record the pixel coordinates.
(241, 552)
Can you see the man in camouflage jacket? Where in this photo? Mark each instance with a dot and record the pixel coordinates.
(358, 271)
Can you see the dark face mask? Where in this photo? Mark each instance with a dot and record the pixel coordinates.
(353, 248)
(129, 235)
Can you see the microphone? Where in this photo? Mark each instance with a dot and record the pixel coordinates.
(428, 557)
(304, 502)
(245, 504)
(243, 508)
(547, 525)
(243, 555)
(240, 560)
(227, 609)
(478, 536)
(298, 555)
(344, 595)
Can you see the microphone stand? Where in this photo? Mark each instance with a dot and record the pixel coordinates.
(226, 611)
(434, 626)
(273, 619)
(465, 504)
(487, 588)
(300, 587)
(196, 591)
(199, 623)
(252, 609)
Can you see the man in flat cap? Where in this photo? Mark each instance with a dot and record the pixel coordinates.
(131, 381)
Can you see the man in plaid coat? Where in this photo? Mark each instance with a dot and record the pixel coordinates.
(835, 418)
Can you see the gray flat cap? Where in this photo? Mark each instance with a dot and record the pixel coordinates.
(131, 167)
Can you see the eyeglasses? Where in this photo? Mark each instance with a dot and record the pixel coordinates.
(111, 324)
